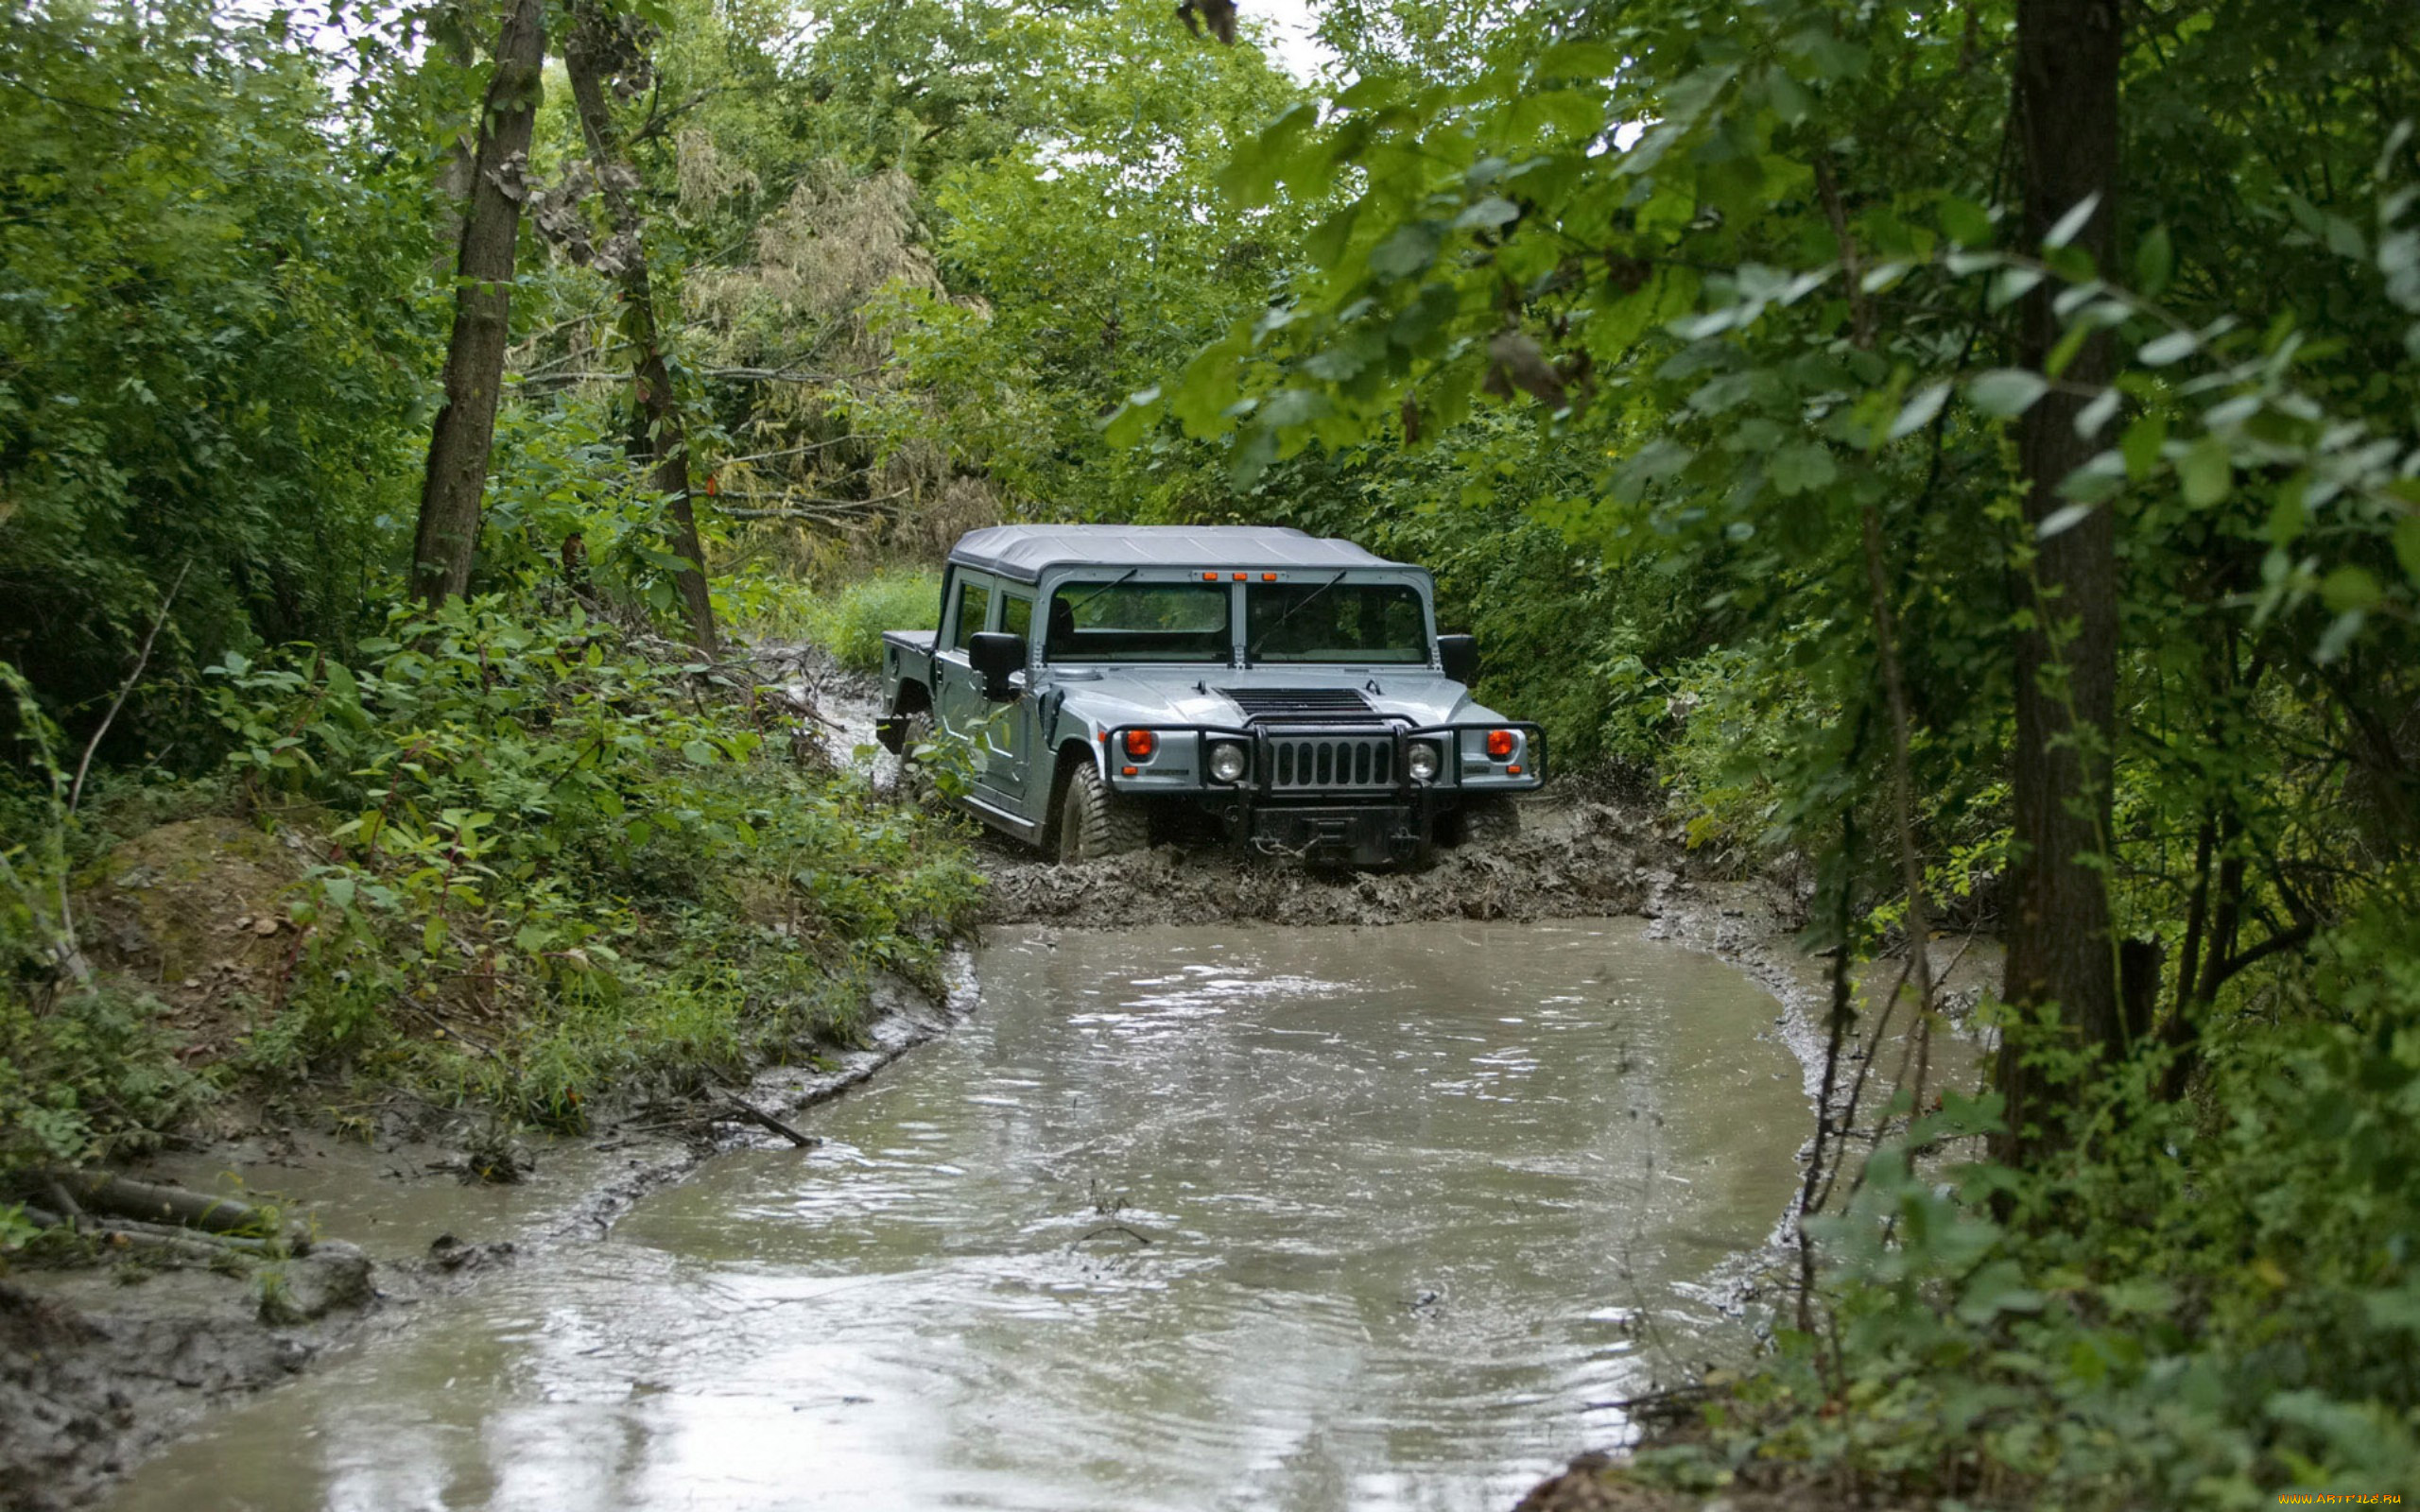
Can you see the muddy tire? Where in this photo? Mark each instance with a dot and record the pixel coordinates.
(915, 782)
(1489, 821)
(1096, 823)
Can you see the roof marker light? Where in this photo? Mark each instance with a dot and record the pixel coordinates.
(1209, 577)
(1240, 576)
(1269, 578)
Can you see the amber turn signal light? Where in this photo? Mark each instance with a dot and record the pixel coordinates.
(1141, 743)
(1499, 745)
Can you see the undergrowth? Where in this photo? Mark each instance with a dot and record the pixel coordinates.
(2200, 1302)
(553, 867)
(559, 866)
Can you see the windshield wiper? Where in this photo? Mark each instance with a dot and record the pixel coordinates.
(1251, 648)
(1074, 605)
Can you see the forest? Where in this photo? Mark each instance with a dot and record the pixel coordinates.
(1966, 452)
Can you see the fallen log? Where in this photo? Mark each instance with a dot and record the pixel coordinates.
(124, 1198)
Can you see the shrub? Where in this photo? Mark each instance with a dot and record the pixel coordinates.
(2202, 1305)
(557, 865)
(849, 624)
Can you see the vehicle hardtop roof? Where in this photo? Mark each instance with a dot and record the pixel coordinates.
(1025, 551)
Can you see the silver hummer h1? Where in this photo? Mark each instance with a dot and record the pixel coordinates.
(1293, 690)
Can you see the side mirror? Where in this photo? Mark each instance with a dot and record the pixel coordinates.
(1458, 654)
(995, 654)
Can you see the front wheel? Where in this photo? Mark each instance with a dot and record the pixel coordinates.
(1096, 821)
(1481, 821)
(914, 784)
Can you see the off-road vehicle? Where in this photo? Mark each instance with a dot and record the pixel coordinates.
(1291, 690)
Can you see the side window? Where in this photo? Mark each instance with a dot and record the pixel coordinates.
(1016, 617)
(973, 602)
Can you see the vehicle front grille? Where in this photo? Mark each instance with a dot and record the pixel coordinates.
(1327, 705)
(1320, 763)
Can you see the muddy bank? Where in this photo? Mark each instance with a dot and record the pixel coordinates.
(111, 1354)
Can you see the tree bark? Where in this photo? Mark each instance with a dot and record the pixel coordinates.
(465, 429)
(454, 168)
(657, 432)
(2059, 946)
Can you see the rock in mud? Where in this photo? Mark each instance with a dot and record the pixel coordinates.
(334, 1275)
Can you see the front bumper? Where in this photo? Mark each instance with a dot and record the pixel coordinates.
(1338, 793)
(1357, 834)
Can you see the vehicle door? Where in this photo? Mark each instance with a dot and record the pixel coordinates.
(1008, 730)
(958, 705)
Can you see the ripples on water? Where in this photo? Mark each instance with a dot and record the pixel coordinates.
(1414, 1199)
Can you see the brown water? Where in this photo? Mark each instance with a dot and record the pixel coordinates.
(1417, 1201)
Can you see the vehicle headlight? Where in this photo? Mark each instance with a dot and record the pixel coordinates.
(1422, 761)
(1227, 761)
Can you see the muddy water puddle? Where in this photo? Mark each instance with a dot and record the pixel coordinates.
(1183, 1218)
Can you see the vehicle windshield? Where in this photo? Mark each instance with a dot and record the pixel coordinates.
(1335, 621)
(1119, 621)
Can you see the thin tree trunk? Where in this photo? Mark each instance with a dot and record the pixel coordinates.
(2059, 948)
(657, 429)
(459, 445)
(454, 169)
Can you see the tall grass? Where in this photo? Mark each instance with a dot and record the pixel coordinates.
(849, 623)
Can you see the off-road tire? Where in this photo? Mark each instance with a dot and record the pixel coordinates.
(914, 784)
(1489, 821)
(1094, 822)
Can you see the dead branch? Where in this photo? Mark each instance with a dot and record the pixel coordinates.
(765, 1120)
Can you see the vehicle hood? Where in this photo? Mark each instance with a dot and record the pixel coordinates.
(1198, 696)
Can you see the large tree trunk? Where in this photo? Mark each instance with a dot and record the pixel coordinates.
(457, 447)
(591, 56)
(2059, 945)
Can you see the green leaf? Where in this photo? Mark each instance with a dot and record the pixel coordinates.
(2349, 589)
(2174, 347)
(2062, 520)
(1800, 467)
(2102, 410)
(2006, 392)
(1919, 410)
(2207, 471)
(2155, 262)
(2406, 545)
(2143, 444)
(698, 752)
(1488, 213)
(1407, 251)
(1126, 426)
(2070, 226)
(1967, 223)
(1578, 59)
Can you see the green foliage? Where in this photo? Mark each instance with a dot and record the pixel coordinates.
(849, 621)
(570, 864)
(85, 1070)
(2200, 1309)
(213, 349)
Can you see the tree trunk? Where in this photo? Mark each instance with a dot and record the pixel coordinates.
(589, 57)
(454, 168)
(2058, 947)
(457, 447)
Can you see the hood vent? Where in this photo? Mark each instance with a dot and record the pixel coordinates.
(1304, 705)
